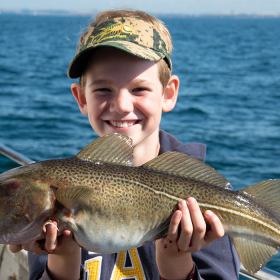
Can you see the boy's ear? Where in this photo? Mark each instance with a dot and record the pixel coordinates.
(80, 97)
(170, 94)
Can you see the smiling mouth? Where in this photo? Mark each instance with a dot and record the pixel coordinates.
(122, 123)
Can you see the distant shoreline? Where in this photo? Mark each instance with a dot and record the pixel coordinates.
(94, 12)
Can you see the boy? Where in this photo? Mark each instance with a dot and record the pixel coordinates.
(124, 67)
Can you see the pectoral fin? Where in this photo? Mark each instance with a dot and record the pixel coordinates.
(73, 197)
(253, 255)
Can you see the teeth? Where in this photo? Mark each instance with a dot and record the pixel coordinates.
(122, 124)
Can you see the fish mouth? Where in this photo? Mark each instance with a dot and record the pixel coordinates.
(29, 232)
(122, 124)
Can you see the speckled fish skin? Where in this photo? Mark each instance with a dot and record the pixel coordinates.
(112, 207)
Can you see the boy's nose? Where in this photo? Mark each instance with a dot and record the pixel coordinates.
(122, 102)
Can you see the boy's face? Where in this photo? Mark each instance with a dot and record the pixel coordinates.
(122, 94)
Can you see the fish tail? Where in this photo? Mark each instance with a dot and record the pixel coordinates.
(253, 254)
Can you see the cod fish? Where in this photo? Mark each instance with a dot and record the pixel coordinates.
(111, 207)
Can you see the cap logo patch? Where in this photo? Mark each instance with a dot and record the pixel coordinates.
(115, 31)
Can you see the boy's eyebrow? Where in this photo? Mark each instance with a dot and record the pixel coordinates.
(142, 81)
(98, 82)
(102, 82)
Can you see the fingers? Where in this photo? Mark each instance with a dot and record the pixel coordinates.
(217, 229)
(168, 244)
(36, 247)
(198, 223)
(185, 236)
(52, 244)
(68, 234)
(67, 237)
(51, 237)
(47, 245)
(173, 230)
(15, 248)
(193, 236)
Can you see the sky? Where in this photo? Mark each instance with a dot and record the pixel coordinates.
(151, 6)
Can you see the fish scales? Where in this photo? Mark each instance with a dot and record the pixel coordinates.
(110, 206)
(145, 189)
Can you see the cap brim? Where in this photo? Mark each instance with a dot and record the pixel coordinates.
(77, 65)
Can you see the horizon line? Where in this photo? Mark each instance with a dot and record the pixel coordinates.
(61, 12)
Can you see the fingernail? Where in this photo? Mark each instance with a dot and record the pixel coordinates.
(183, 203)
(190, 200)
(176, 214)
(208, 213)
(51, 225)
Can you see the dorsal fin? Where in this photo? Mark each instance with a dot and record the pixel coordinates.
(253, 254)
(267, 194)
(183, 165)
(112, 148)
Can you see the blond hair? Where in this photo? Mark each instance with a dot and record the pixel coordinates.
(164, 71)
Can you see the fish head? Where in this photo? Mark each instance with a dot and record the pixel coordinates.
(23, 197)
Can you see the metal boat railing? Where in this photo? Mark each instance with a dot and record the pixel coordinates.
(263, 274)
(15, 156)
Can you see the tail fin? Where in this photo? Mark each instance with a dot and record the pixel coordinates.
(253, 254)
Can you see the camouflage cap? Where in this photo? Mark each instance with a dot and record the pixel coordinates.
(131, 35)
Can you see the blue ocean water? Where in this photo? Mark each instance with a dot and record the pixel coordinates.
(229, 97)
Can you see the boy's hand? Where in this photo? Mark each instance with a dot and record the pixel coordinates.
(173, 252)
(52, 244)
(64, 259)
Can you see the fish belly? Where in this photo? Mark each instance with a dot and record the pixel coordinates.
(108, 234)
(120, 215)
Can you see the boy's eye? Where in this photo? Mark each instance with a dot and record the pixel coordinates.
(102, 90)
(140, 89)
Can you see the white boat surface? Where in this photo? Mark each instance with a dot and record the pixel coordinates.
(13, 266)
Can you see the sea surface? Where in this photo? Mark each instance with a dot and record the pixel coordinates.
(229, 98)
